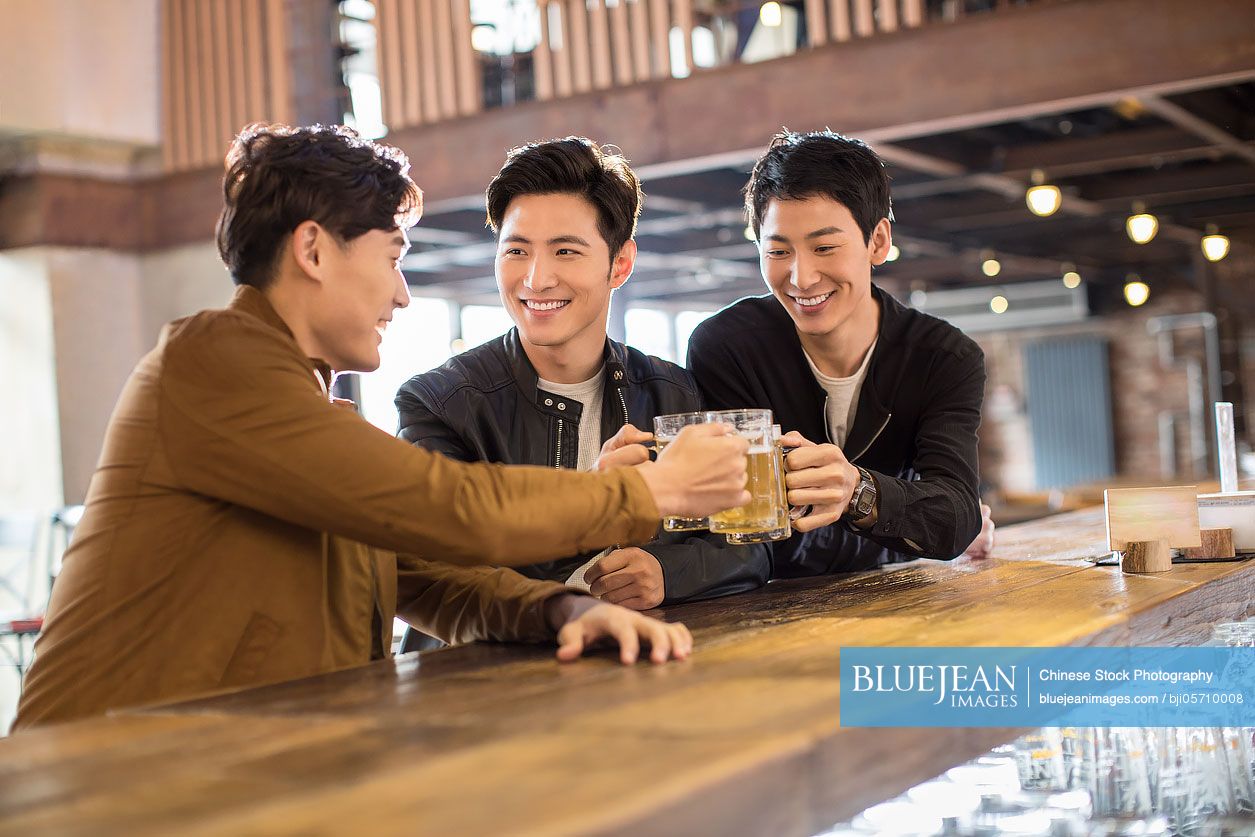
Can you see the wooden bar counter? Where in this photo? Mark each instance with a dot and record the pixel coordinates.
(500, 739)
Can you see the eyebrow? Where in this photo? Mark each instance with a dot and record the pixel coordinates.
(562, 239)
(810, 236)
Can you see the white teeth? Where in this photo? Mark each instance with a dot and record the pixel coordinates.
(537, 305)
(814, 300)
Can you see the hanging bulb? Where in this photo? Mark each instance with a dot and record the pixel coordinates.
(1141, 225)
(1215, 245)
(999, 304)
(1042, 198)
(1136, 292)
(770, 14)
(894, 253)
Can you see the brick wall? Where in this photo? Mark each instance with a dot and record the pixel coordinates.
(1142, 388)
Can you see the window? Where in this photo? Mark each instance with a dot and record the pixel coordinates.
(685, 322)
(417, 340)
(650, 330)
(662, 333)
(481, 323)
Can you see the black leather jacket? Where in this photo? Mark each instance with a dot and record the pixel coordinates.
(485, 405)
(914, 430)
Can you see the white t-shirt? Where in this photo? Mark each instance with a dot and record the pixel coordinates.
(589, 394)
(842, 397)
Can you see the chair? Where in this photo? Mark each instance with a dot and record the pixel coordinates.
(28, 584)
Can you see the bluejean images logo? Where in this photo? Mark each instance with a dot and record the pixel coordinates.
(987, 687)
(974, 687)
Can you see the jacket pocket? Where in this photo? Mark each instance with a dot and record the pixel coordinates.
(251, 652)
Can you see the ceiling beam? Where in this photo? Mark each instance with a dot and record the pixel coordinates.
(1198, 126)
(676, 125)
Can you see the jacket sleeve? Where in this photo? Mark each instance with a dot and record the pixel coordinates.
(419, 423)
(466, 604)
(937, 515)
(241, 420)
(705, 566)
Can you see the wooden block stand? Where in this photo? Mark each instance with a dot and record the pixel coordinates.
(1146, 557)
(1217, 545)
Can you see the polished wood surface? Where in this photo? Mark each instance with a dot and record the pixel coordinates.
(742, 739)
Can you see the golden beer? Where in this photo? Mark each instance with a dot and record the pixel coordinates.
(762, 513)
(666, 428)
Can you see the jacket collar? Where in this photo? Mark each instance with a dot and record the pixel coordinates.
(528, 381)
(253, 302)
(872, 414)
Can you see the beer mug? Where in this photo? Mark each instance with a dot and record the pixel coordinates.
(666, 428)
(765, 516)
(783, 528)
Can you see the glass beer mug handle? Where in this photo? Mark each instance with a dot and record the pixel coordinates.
(795, 512)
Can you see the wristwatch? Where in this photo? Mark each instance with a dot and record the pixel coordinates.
(863, 500)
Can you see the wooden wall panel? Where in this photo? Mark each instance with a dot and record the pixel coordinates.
(621, 43)
(864, 19)
(280, 67)
(561, 44)
(466, 68)
(599, 26)
(660, 32)
(816, 23)
(427, 59)
(912, 12)
(445, 81)
(542, 57)
(683, 10)
(192, 94)
(224, 64)
(638, 13)
(173, 117)
(839, 18)
(224, 120)
(577, 47)
(238, 109)
(887, 15)
(254, 61)
(408, 76)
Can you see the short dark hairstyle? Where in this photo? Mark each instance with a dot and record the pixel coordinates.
(820, 164)
(279, 176)
(576, 166)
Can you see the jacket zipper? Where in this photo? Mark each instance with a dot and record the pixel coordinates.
(557, 457)
(873, 439)
(622, 403)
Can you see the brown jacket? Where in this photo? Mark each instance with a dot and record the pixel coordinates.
(222, 544)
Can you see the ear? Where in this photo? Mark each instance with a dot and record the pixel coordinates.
(309, 249)
(622, 265)
(882, 239)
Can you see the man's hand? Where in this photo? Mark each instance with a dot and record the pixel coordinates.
(818, 476)
(983, 546)
(627, 577)
(702, 472)
(625, 448)
(582, 620)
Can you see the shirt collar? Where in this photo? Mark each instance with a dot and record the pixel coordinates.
(252, 301)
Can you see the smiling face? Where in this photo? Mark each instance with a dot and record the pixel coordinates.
(362, 285)
(816, 262)
(555, 271)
